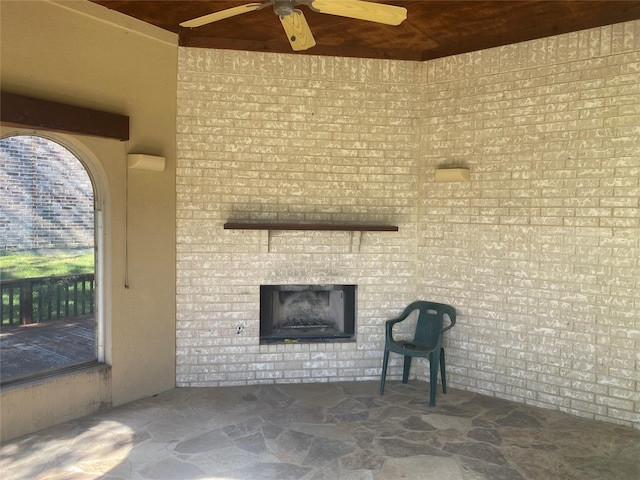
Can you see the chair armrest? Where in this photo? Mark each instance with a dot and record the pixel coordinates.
(452, 317)
(389, 326)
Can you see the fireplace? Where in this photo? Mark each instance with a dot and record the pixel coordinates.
(307, 313)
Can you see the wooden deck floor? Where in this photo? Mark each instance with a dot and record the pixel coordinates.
(39, 348)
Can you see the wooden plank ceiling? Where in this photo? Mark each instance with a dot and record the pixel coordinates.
(433, 29)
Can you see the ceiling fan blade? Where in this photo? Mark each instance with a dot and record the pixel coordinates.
(372, 12)
(222, 14)
(298, 31)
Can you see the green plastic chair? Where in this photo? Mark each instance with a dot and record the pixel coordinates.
(426, 343)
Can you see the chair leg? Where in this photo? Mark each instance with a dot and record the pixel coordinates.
(433, 378)
(442, 374)
(385, 361)
(405, 369)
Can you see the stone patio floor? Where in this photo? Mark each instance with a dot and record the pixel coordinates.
(325, 431)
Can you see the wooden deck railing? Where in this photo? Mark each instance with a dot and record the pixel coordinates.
(35, 300)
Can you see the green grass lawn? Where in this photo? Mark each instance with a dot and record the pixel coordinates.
(13, 267)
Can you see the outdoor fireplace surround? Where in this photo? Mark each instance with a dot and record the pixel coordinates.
(307, 313)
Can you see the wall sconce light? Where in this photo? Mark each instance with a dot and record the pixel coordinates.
(141, 161)
(453, 175)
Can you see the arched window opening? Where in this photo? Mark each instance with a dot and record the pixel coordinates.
(47, 260)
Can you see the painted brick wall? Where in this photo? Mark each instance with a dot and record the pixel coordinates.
(282, 137)
(43, 188)
(539, 252)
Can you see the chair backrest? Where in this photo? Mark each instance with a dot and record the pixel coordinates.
(429, 326)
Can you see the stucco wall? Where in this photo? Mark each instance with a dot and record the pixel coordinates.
(539, 252)
(82, 54)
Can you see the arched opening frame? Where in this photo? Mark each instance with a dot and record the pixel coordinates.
(101, 203)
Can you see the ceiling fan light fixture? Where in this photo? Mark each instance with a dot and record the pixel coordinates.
(283, 8)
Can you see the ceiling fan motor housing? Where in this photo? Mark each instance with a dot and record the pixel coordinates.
(283, 8)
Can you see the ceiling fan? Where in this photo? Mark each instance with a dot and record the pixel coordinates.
(294, 23)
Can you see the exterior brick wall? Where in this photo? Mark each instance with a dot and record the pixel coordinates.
(538, 253)
(47, 197)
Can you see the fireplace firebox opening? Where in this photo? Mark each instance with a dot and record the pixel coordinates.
(307, 313)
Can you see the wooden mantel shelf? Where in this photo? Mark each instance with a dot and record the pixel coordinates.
(343, 227)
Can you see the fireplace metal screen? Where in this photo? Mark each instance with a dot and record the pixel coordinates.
(307, 313)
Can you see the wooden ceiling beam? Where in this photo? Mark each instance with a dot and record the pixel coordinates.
(28, 112)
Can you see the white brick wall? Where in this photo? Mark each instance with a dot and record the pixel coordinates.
(283, 137)
(539, 252)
